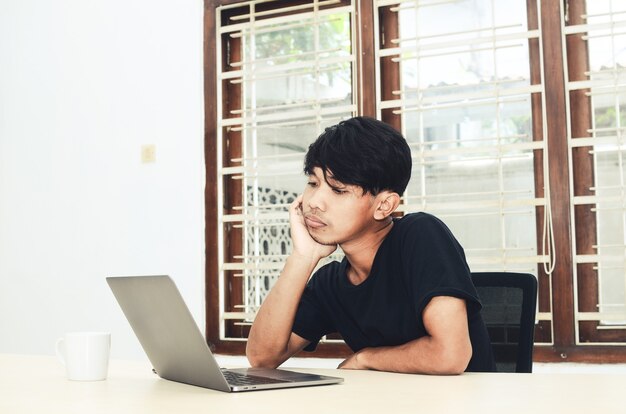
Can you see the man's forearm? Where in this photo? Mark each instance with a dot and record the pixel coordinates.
(445, 350)
(421, 356)
(268, 342)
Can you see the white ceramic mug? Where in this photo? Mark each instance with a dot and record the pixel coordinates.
(85, 355)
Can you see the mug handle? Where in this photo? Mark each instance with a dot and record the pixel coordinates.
(60, 350)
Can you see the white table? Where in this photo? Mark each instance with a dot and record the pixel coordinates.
(37, 384)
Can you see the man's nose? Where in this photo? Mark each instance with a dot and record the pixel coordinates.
(316, 200)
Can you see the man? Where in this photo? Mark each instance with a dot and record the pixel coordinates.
(402, 298)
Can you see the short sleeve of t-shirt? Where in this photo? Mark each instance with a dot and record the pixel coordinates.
(433, 263)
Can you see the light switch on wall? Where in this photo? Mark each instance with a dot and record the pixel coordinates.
(148, 153)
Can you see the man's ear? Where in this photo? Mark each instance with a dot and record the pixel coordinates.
(386, 203)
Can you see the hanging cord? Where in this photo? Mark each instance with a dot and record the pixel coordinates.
(547, 237)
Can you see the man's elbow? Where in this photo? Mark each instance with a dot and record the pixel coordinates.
(260, 359)
(256, 362)
(455, 361)
(454, 368)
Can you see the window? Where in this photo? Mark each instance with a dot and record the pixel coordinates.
(596, 86)
(291, 70)
(463, 97)
(501, 129)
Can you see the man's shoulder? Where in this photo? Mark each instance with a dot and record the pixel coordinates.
(420, 219)
(420, 228)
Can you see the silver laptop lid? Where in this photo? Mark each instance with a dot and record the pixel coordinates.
(167, 331)
(175, 346)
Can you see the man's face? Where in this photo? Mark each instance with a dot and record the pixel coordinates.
(335, 213)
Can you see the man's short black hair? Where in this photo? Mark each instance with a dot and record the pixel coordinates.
(364, 152)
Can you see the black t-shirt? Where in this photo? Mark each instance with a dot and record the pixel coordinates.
(418, 260)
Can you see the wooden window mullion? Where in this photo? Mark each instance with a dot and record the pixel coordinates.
(210, 191)
(583, 169)
(233, 150)
(364, 44)
(562, 283)
(543, 329)
(389, 70)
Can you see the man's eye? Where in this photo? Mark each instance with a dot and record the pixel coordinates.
(339, 191)
(311, 184)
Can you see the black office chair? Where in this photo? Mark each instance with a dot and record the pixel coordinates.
(509, 305)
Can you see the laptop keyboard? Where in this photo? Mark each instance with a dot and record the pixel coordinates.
(236, 378)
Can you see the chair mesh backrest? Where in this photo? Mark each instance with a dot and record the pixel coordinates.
(509, 301)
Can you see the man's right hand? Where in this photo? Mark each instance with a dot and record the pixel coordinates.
(271, 340)
(303, 244)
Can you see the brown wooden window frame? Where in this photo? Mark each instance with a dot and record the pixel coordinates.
(556, 291)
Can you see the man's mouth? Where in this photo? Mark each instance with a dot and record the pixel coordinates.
(313, 221)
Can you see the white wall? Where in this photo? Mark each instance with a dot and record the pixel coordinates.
(83, 85)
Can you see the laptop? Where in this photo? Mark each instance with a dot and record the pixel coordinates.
(176, 348)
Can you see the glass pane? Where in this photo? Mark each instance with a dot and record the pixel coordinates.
(611, 230)
(466, 112)
(296, 76)
(606, 44)
(308, 61)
